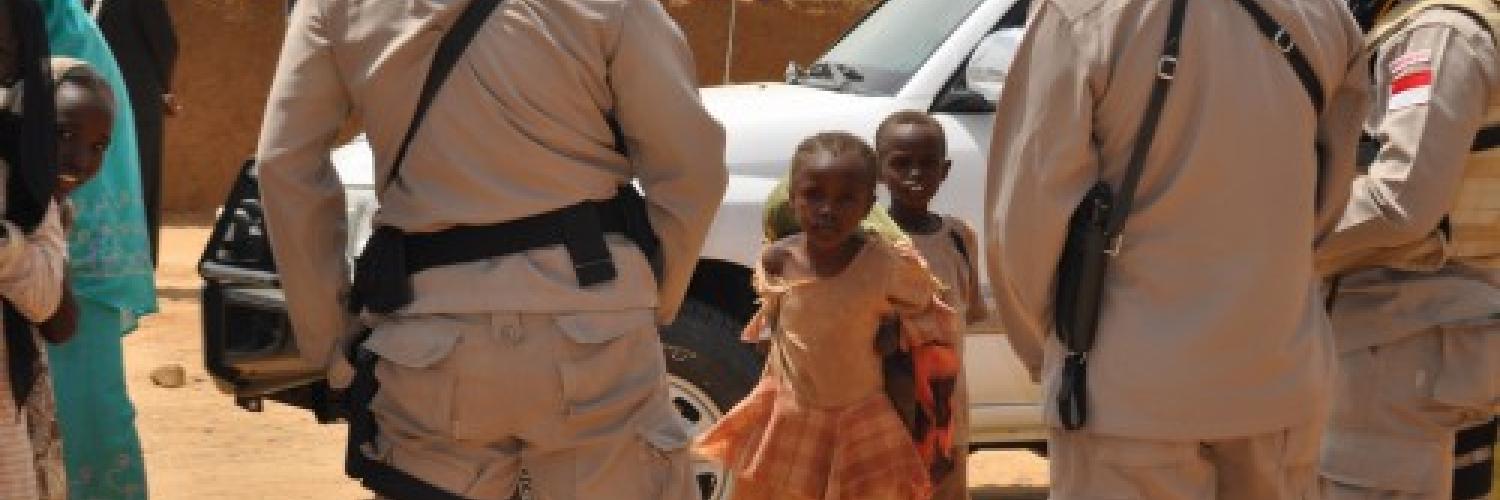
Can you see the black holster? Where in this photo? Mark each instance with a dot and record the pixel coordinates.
(1080, 279)
(381, 281)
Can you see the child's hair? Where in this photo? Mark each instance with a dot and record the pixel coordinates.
(906, 117)
(837, 144)
(66, 70)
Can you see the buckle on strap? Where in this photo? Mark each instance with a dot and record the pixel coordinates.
(1283, 41)
(1166, 67)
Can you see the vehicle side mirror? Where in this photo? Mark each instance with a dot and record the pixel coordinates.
(962, 100)
(984, 75)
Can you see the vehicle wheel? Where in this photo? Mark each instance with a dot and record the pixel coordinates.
(709, 371)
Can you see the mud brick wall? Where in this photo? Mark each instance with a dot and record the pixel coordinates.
(229, 48)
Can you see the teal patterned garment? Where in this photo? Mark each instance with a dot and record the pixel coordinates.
(110, 271)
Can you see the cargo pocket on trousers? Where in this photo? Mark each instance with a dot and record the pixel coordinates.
(603, 326)
(1469, 377)
(612, 362)
(415, 399)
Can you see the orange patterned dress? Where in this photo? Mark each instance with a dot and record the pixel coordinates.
(818, 425)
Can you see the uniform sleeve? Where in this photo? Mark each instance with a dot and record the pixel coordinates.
(31, 269)
(675, 147)
(303, 199)
(1437, 91)
(1042, 161)
(977, 310)
(1339, 132)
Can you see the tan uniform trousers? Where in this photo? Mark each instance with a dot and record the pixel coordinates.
(579, 400)
(1274, 466)
(1398, 407)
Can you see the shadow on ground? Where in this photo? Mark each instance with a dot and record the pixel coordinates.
(1008, 493)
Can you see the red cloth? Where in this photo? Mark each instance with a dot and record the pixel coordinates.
(936, 371)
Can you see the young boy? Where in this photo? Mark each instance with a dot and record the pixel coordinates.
(913, 157)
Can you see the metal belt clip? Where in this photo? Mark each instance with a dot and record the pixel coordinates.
(1166, 67)
(1284, 41)
(1114, 245)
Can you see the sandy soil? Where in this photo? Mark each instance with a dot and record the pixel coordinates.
(200, 446)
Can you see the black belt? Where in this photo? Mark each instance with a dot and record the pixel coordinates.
(382, 275)
(579, 228)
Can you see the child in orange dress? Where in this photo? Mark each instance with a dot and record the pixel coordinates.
(818, 425)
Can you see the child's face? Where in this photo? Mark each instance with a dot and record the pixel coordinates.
(84, 122)
(913, 163)
(830, 195)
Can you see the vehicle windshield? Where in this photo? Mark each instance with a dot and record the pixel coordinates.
(879, 55)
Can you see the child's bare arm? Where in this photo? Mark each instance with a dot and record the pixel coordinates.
(32, 266)
(63, 324)
(977, 309)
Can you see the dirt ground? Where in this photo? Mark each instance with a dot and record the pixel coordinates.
(200, 446)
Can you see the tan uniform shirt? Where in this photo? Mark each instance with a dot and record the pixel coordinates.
(1212, 323)
(519, 128)
(1413, 183)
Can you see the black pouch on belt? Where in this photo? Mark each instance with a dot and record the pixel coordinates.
(381, 283)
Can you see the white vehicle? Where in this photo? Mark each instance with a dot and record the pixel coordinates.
(947, 57)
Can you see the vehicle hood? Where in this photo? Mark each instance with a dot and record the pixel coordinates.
(764, 122)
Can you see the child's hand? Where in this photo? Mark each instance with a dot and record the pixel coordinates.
(774, 259)
(63, 324)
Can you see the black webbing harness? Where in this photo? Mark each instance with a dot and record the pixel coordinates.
(382, 282)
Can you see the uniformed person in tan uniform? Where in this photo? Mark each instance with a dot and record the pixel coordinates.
(505, 362)
(1417, 308)
(1213, 369)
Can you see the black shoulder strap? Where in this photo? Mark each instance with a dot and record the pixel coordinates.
(1166, 70)
(958, 242)
(1282, 39)
(449, 49)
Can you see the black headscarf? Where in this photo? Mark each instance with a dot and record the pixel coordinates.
(28, 145)
(28, 142)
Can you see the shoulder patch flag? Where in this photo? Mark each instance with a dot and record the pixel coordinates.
(1411, 82)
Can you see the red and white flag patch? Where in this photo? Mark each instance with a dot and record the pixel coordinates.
(1411, 80)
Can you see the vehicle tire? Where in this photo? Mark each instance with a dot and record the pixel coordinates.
(710, 371)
